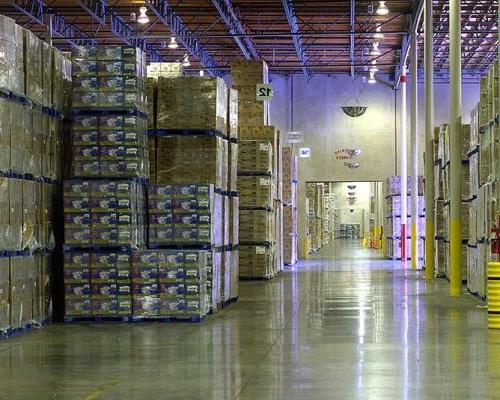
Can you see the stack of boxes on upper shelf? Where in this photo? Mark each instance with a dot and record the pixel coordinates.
(317, 209)
(290, 219)
(484, 163)
(393, 220)
(108, 271)
(192, 199)
(442, 198)
(33, 80)
(259, 177)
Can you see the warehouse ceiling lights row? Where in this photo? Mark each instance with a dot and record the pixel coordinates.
(382, 10)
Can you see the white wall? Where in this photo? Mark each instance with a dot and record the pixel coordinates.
(315, 108)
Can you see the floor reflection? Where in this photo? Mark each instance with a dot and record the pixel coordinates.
(344, 324)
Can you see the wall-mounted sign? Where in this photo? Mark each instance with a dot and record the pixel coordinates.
(347, 154)
(295, 137)
(304, 152)
(264, 91)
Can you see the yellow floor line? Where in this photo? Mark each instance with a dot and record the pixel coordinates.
(96, 393)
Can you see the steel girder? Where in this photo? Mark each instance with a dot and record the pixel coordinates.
(165, 13)
(37, 11)
(230, 18)
(103, 13)
(297, 38)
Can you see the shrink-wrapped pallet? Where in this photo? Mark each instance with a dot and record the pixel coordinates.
(197, 159)
(256, 226)
(255, 191)
(164, 70)
(33, 66)
(11, 56)
(192, 103)
(256, 261)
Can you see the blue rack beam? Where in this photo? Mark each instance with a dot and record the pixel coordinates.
(235, 26)
(103, 13)
(297, 38)
(38, 11)
(165, 13)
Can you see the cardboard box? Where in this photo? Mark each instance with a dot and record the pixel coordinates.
(256, 226)
(4, 293)
(11, 59)
(192, 103)
(256, 191)
(255, 157)
(185, 214)
(256, 261)
(198, 159)
(232, 119)
(156, 70)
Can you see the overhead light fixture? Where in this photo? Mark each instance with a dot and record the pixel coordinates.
(375, 51)
(185, 61)
(133, 16)
(143, 18)
(378, 33)
(173, 43)
(372, 79)
(382, 9)
(202, 73)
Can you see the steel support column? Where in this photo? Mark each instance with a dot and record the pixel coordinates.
(352, 20)
(429, 141)
(455, 149)
(403, 164)
(414, 150)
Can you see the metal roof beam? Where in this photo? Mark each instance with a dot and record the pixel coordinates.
(297, 38)
(230, 18)
(37, 11)
(103, 13)
(165, 13)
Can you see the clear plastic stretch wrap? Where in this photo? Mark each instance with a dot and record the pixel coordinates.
(151, 97)
(255, 156)
(11, 55)
(142, 283)
(197, 159)
(112, 76)
(192, 103)
(4, 294)
(255, 191)
(33, 67)
(234, 221)
(104, 212)
(110, 146)
(256, 261)
(226, 276)
(185, 214)
(256, 226)
(46, 74)
(22, 276)
(232, 120)
(233, 167)
(57, 80)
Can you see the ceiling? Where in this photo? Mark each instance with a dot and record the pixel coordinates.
(308, 36)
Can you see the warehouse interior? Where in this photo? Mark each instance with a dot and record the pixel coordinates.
(249, 199)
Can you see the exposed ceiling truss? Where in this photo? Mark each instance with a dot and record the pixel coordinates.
(308, 36)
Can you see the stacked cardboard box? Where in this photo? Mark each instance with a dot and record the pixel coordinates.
(30, 131)
(156, 70)
(192, 103)
(246, 75)
(195, 129)
(393, 222)
(290, 228)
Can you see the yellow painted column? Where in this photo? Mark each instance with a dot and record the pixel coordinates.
(455, 149)
(494, 295)
(414, 150)
(429, 139)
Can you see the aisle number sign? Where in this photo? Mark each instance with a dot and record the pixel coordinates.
(304, 152)
(264, 91)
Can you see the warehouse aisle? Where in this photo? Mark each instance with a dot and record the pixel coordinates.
(342, 325)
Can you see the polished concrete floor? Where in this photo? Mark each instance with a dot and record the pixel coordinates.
(341, 325)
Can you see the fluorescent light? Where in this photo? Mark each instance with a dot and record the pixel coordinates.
(185, 61)
(143, 18)
(133, 16)
(173, 43)
(202, 73)
(375, 51)
(378, 33)
(382, 9)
